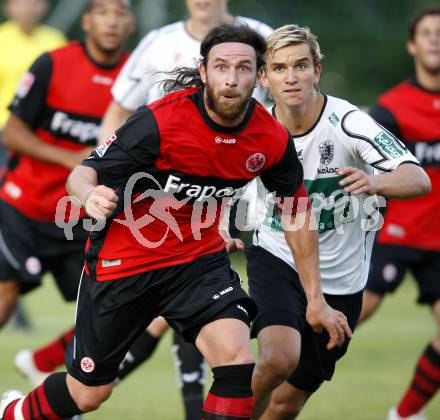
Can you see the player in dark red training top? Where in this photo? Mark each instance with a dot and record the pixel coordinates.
(160, 181)
(410, 237)
(54, 124)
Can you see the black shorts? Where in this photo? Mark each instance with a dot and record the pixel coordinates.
(30, 248)
(111, 314)
(276, 289)
(389, 264)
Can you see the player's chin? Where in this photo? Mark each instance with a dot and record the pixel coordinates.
(109, 47)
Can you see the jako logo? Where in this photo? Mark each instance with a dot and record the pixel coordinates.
(223, 292)
(102, 148)
(220, 140)
(102, 80)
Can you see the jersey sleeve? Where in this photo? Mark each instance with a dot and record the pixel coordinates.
(132, 148)
(30, 96)
(286, 177)
(374, 144)
(385, 118)
(134, 82)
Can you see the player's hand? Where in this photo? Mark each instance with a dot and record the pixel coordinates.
(75, 158)
(320, 315)
(234, 245)
(357, 181)
(100, 202)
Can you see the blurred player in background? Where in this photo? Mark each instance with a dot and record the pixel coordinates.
(22, 40)
(54, 124)
(410, 237)
(339, 147)
(161, 50)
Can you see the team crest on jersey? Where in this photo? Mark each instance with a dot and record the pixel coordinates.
(25, 85)
(102, 148)
(255, 162)
(327, 152)
(87, 364)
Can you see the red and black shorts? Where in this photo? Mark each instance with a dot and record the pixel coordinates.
(111, 314)
(390, 263)
(277, 291)
(31, 248)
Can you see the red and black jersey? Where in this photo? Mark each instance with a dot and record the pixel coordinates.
(181, 166)
(412, 114)
(62, 98)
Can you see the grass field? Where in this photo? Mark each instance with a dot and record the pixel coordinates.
(369, 380)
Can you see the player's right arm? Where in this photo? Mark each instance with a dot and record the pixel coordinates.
(131, 88)
(99, 201)
(133, 148)
(26, 112)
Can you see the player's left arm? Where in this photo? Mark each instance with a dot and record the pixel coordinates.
(401, 175)
(286, 179)
(406, 181)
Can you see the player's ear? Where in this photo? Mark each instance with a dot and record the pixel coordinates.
(317, 76)
(202, 70)
(263, 77)
(85, 22)
(411, 48)
(131, 25)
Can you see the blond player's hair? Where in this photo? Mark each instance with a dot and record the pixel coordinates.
(293, 35)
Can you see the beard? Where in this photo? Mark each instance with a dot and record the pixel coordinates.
(229, 112)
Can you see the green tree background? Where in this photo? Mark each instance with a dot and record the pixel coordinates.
(363, 41)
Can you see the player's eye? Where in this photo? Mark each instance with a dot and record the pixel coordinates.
(278, 69)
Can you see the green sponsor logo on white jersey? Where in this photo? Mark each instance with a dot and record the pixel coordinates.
(388, 145)
(330, 204)
(334, 119)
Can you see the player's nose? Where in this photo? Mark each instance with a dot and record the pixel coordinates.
(231, 78)
(291, 76)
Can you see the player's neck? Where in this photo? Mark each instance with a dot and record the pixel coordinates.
(198, 29)
(27, 29)
(428, 80)
(300, 119)
(100, 57)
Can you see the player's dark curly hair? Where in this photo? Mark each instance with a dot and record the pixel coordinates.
(185, 77)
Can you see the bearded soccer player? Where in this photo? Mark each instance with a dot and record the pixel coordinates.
(161, 50)
(339, 148)
(410, 238)
(159, 182)
(53, 126)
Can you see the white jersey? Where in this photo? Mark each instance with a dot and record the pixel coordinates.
(343, 136)
(162, 50)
